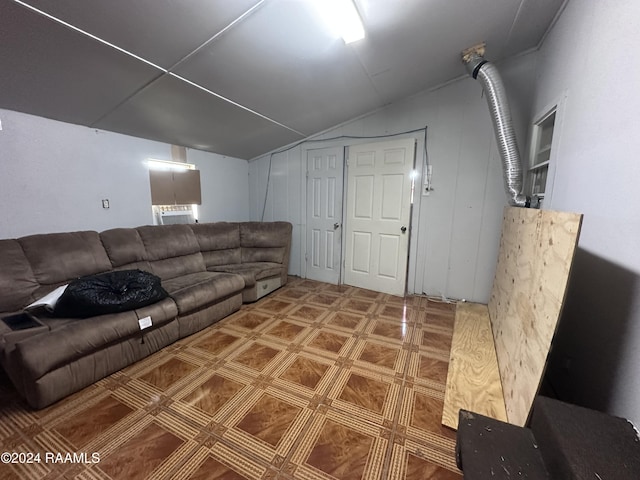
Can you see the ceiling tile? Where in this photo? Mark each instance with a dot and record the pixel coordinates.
(283, 63)
(417, 44)
(160, 31)
(52, 71)
(534, 18)
(175, 112)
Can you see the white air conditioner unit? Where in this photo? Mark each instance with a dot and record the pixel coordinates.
(173, 217)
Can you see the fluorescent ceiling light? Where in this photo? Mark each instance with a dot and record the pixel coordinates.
(168, 165)
(343, 18)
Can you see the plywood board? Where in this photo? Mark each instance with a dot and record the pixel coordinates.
(473, 381)
(534, 262)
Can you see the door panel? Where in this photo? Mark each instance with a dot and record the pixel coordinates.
(389, 250)
(325, 169)
(378, 215)
(361, 252)
(391, 190)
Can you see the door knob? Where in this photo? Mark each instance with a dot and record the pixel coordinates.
(403, 229)
(336, 226)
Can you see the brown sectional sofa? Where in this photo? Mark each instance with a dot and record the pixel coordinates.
(207, 269)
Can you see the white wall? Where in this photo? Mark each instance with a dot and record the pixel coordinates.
(225, 187)
(53, 176)
(285, 199)
(456, 229)
(589, 58)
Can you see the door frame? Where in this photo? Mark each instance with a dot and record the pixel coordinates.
(305, 237)
(415, 272)
(414, 189)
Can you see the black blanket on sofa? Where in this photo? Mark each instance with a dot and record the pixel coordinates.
(110, 292)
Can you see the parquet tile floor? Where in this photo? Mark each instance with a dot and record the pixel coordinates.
(315, 381)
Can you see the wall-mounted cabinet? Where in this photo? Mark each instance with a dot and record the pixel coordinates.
(175, 187)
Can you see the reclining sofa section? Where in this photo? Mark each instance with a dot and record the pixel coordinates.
(207, 269)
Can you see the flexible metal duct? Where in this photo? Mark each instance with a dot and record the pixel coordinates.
(488, 75)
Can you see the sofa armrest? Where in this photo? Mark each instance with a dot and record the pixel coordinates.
(267, 241)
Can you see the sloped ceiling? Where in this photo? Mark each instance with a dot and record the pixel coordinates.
(240, 77)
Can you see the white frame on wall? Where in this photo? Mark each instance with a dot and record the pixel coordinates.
(547, 166)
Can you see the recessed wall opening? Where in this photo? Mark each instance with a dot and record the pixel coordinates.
(541, 144)
(175, 192)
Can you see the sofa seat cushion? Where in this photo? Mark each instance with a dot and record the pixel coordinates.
(252, 271)
(75, 339)
(197, 290)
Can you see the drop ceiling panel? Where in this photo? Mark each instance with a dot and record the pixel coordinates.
(161, 31)
(283, 62)
(418, 46)
(173, 111)
(49, 70)
(532, 22)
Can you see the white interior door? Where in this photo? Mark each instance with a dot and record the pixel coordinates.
(378, 214)
(325, 169)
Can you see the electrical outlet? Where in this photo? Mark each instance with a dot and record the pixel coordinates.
(105, 203)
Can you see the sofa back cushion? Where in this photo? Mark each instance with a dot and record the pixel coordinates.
(56, 258)
(265, 242)
(219, 242)
(123, 246)
(17, 281)
(172, 250)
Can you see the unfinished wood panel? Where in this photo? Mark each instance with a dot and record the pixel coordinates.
(473, 381)
(536, 251)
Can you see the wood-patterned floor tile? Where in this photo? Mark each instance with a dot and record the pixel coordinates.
(305, 372)
(87, 424)
(345, 320)
(379, 355)
(216, 342)
(142, 454)
(269, 419)
(340, 451)
(437, 341)
(391, 330)
(211, 469)
(427, 415)
(168, 373)
(285, 330)
(257, 356)
(420, 468)
(213, 394)
(331, 342)
(250, 320)
(432, 369)
(365, 392)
